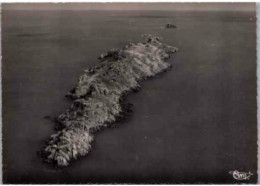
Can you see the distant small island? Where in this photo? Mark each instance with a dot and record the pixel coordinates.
(169, 25)
(98, 96)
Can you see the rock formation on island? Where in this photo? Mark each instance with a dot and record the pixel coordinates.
(97, 97)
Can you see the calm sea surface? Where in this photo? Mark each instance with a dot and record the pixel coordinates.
(194, 123)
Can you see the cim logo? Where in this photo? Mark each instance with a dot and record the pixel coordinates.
(241, 175)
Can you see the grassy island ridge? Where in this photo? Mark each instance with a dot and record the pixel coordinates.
(97, 97)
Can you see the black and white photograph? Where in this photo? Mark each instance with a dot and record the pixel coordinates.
(129, 93)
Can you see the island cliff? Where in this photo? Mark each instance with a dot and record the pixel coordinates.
(97, 97)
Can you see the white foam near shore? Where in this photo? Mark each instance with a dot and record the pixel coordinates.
(97, 97)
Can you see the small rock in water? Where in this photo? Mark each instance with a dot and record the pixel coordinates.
(169, 25)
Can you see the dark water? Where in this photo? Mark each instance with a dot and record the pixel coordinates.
(194, 123)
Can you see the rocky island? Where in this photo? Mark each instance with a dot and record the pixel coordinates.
(98, 96)
(170, 25)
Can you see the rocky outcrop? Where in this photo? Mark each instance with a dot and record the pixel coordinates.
(169, 25)
(97, 97)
